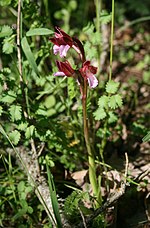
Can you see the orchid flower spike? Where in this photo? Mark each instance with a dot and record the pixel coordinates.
(88, 71)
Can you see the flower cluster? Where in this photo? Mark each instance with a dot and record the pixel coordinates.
(62, 43)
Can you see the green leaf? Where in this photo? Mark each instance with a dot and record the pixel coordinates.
(29, 55)
(22, 126)
(71, 88)
(8, 45)
(29, 132)
(6, 31)
(50, 101)
(15, 136)
(99, 114)
(30, 210)
(21, 186)
(105, 17)
(147, 137)
(41, 110)
(39, 32)
(112, 118)
(112, 87)
(9, 97)
(15, 112)
(103, 101)
(5, 2)
(115, 101)
(20, 213)
(1, 110)
(53, 196)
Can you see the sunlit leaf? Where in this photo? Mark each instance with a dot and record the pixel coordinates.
(8, 45)
(15, 112)
(103, 101)
(147, 137)
(39, 32)
(6, 31)
(112, 87)
(9, 97)
(115, 101)
(29, 132)
(29, 55)
(15, 136)
(1, 110)
(99, 114)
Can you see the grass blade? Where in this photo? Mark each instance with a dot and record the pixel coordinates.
(53, 197)
(29, 55)
(39, 32)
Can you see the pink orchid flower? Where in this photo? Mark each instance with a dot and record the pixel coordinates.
(88, 71)
(62, 42)
(65, 69)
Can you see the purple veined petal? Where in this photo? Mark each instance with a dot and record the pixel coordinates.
(56, 49)
(59, 73)
(63, 50)
(92, 80)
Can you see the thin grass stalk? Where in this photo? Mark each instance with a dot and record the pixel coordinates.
(91, 158)
(111, 39)
(98, 5)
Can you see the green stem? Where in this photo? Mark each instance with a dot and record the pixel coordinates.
(111, 39)
(91, 159)
(103, 144)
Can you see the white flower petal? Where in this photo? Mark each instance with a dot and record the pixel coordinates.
(59, 73)
(92, 80)
(56, 49)
(63, 50)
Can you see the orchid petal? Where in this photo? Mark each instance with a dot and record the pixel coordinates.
(92, 80)
(63, 50)
(59, 73)
(56, 49)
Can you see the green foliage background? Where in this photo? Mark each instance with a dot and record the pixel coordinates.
(48, 109)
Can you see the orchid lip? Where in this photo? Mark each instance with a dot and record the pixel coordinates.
(59, 73)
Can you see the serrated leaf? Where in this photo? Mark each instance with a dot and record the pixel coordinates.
(105, 17)
(103, 101)
(15, 112)
(71, 88)
(39, 32)
(112, 117)
(6, 31)
(112, 87)
(15, 136)
(22, 126)
(99, 114)
(29, 132)
(115, 101)
(8, 45)
(118, 100)
(10, 97)
(29, 55)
